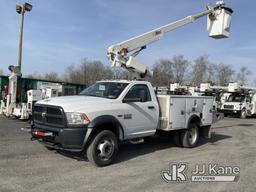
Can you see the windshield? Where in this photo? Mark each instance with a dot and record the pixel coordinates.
(109, 90)
(236, 98)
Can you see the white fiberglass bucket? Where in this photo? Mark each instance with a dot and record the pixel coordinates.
(219, 26)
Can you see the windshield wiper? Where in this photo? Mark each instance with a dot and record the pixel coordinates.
(92, 95)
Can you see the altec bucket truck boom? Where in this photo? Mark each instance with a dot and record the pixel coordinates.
(218, 25)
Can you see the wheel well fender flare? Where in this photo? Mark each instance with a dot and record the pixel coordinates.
(194, 118)
(98, 123)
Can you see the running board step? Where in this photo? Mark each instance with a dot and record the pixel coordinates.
(136, 141)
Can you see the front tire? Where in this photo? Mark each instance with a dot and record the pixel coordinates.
(103, 148)
(190, 136)
(243, 114)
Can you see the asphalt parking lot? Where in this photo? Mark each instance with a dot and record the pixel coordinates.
(29, 166)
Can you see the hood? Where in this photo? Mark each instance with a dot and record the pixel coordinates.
(74, 103)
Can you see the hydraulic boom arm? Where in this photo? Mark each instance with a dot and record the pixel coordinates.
(117, 54)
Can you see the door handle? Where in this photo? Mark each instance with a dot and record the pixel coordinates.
(151, 107)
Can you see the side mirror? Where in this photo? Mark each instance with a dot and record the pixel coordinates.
(131, 100)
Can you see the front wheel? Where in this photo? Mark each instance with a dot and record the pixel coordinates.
(243, 114)
(103, 148)
(190, 136)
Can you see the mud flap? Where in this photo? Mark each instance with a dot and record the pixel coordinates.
(205, 132)
(217, 116)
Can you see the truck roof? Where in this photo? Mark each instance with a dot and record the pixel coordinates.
(124, 81)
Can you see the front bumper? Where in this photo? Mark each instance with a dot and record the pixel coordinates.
(230, 112)
(68, 138)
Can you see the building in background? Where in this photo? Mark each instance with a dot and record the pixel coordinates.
(25, 84)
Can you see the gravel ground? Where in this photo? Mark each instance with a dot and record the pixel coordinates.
(29, 166)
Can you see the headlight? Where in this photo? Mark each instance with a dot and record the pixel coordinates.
(236, 107)
(77, 118)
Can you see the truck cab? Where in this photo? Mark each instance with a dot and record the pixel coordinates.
(128, 108)
(240, 104)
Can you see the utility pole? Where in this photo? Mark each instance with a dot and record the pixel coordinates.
(21, 9)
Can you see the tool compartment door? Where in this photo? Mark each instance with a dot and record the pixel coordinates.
(177, 113)
(207, 112)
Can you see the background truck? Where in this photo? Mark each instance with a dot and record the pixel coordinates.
(218, 92)
(241, 101)
(110, 112)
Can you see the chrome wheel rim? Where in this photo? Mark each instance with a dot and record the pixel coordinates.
(243, 114)
(192, 135)
(105, 149)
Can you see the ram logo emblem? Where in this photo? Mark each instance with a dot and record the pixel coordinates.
(43, 114)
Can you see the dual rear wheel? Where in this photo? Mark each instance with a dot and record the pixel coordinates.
(188, 137)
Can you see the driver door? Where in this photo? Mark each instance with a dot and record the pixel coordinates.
(140, 117)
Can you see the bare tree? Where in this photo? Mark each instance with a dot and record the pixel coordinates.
(30, 76)
(224, 74)
(51, 76)
(211, 74)
(199, 71)
(88, 72)
(34, 76)
(243, 74)
(108, 73)
(119, 73)
(95, 71)
(180, 68)
(73, 75)
(163, 73)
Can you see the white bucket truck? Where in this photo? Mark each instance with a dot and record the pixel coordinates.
(109, 112)
(240, 101)
(217, 92)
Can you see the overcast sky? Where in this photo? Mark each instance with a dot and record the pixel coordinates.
(59, 33)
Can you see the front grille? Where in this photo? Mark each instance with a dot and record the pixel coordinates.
(38, 117)
(228, 106)
(49, 115)
(38, 108)
(53, 111)
(54, 120)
